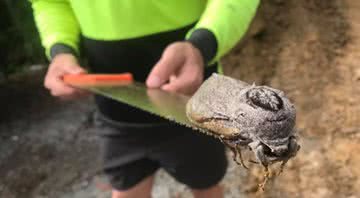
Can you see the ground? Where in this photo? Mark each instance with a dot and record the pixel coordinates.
(308, 48)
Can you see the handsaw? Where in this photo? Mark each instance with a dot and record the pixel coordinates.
(123, 88)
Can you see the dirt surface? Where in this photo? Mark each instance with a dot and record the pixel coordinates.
(311, 50)
(308, 48)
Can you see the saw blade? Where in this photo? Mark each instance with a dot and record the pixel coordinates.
(171, 106)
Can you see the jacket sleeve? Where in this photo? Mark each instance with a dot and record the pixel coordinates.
(221, 26)
(57, 25)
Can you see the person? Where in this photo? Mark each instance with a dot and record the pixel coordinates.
(170, 45)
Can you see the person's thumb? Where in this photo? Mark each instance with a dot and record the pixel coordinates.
(167, 66)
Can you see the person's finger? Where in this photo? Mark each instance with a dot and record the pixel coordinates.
(56, 85)
(167, 66)
(179, 86)
(187, 81)
(172, 78)
(59, 89)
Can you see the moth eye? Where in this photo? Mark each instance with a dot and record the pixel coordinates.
(265, 98)
(241, 114)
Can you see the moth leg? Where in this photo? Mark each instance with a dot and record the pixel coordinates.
(232, 148)
(253, 161)
(266, 178)
(282, 166)
(238, 150)
(261, 157)
(293, 149)
(259, 152)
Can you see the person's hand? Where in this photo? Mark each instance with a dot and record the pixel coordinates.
(61, 65)
(180, 69)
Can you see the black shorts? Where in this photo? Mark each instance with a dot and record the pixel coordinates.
(134, 151)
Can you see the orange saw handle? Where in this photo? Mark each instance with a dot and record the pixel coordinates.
(98, 79)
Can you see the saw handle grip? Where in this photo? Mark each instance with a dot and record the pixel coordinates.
(97, 79)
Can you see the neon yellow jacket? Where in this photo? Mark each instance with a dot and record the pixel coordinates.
(62, 21)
